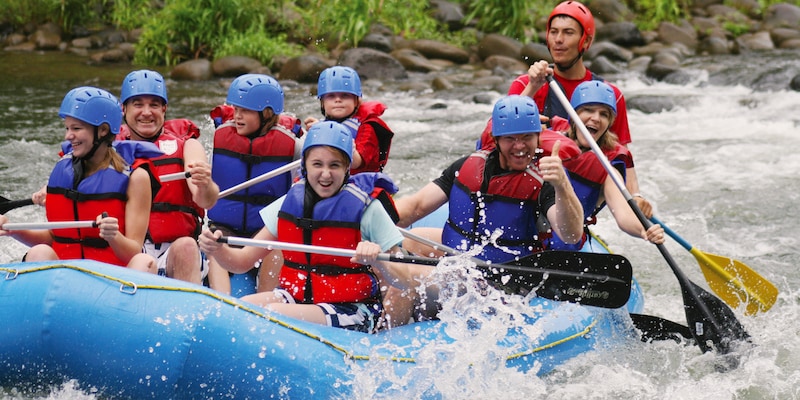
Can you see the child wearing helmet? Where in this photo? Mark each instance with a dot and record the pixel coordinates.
(176, 216)
(325, 207)
(339, 94)
(509, 186)
(97, 180)
(595, 104)
(254, 137)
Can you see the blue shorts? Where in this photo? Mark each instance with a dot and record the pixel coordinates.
(361, 317)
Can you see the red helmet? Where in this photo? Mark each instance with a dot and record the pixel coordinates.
(578, 12)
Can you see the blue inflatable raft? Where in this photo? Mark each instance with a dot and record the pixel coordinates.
(126, 334)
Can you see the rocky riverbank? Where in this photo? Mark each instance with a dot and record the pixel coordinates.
(619, 47)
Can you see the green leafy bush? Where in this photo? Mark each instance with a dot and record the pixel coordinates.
(258, 45)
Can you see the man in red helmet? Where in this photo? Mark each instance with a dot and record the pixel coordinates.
(570, 32)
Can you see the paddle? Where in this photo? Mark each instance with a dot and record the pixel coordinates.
(7, 205)
(600, 280)
(712, 323)
(651, 327)
(261, 178)
(730, 279)
(48, 225)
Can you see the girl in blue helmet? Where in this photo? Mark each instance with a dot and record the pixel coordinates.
(97, 180)
(595, 103)
(339, 94)
(254, 137)
(326, 207)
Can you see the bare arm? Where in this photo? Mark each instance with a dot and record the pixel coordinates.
(566, 215)
(137, 215)
(204, 191)
(27, 237)
(423, 202)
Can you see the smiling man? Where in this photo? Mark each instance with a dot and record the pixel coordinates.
(497, 196)
(177, 214)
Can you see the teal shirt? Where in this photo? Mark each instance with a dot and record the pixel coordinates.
(376, 225)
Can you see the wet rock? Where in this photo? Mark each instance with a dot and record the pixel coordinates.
(795, 83)
(46, 40)
(110, 56)
(448, 13)
(512, 65)
(192, 70)
(412, 60)
(610, 51)
(640, 64)
(603, 66)
(755, 41)
(232, 66)
(373, 64)
(378, 42)
(15, 39)
(24, 46)
(495, 44)
(621, 33)
(664, 63)
(781, 15)
(440, 50)
(714, 45)
(780, 35)
(670, 33)
(441, 83)
(650, 104)
(82, 43)
(610, 11)
(305, 68)
(533, 52)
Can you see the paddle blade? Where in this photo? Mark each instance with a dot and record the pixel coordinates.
(8, 205)
(735, 282)
(711, 321)
(655, 328)
(592, 279)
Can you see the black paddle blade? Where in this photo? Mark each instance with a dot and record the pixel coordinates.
(592, 279)
(8, 205)
(657, 328)
(711, 321)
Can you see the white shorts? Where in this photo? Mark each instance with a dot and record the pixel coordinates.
(160, 252)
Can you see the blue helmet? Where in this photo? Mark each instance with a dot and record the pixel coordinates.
(256, 92)
(93, 106)
(329, 133)
(338, 79)
(143, 83)
(594, 92)
(514, 115)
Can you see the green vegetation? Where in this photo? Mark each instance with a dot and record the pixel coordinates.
(513, 18)
(178, 30)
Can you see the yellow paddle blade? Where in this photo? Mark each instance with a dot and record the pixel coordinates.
(735, 282)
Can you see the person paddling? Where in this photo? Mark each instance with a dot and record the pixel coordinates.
(98, 179)
(595, 104)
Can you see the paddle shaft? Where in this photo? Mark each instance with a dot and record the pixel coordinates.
(261, 178)
(48, 225)
(707, 327)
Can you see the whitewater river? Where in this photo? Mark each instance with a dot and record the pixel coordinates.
(721, 167)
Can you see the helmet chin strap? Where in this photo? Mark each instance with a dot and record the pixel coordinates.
(566, 67)
(95, 144)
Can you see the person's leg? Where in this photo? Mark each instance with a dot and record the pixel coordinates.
(183, 260)
(143, 262)
(269, 271)
(41, 252)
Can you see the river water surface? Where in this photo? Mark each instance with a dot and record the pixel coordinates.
(720, 166)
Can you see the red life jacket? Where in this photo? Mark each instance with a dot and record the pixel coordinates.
(72, 199)
(174, 213)
(333, 222)
(373, 138)
(240, 158)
